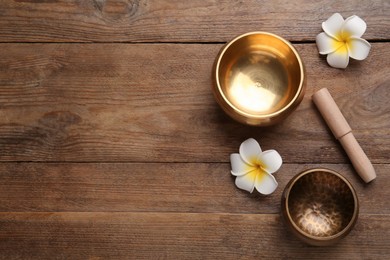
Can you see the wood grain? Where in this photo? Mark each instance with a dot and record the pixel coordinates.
(117, 102)
(112, 146)
(158, 187)
(95, 235)
(178, 21)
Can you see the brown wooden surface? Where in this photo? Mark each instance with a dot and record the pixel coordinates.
(112, 146)
(114, 102)
(100, 235)
(156, 187)
(178, 21)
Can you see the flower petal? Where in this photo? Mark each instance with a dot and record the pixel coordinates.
(333, 25)
(239, 166)
(354, 26)
(270, 161)
(327, 44)
(358, 48)
(249, 150)
(247, 181)
(339, 58)
(265, 183)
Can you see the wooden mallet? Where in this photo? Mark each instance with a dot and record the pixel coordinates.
(343, 132)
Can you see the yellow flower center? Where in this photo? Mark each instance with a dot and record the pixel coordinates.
(260, 170)
(259, 165)
(344, 37)
(341, 45)
(257, 169)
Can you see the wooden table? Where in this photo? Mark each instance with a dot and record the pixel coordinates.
(112, 146)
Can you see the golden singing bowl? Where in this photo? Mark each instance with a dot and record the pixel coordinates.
(320, 206)
(259, 78)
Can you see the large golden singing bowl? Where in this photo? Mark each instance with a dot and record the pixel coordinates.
(258, 78)
(320, 206)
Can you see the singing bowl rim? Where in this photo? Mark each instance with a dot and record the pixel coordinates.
(316, 240)
(294, 100)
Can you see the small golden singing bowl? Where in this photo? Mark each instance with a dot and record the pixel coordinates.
(320, 206)
(259, 78)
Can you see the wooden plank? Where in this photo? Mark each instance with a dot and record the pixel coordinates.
(114, 102)
(190, 236)
(173, 21)
(158, 188)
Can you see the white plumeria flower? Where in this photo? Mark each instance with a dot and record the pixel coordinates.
(341, 40)
(254, 168)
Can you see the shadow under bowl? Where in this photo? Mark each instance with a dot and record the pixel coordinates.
(320, 206)
(259, 78)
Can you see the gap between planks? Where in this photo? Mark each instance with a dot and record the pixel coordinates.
(167, 42)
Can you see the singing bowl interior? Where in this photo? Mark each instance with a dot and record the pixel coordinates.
(258, 75)
(321, 206)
